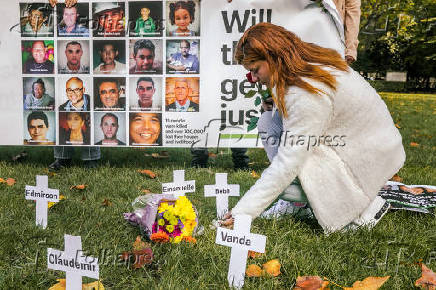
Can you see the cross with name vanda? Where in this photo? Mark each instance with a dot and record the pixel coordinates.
(42, 195)
(221, 190)
(241, 241)
(73, 262)
(179, 187)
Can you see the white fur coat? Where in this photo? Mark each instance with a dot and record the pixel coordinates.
(340, 181)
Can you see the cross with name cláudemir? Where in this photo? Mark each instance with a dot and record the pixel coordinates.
(73, 262)
(42, 195)
(221, 190)
(241, 241)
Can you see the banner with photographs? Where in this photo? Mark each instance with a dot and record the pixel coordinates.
(137, 73)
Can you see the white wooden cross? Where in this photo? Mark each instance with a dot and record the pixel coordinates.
(42, 195)
(73, 262)
(222, 191)
(241, 241)
(179, 187)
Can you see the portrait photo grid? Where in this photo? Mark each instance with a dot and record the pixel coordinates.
(108, 73)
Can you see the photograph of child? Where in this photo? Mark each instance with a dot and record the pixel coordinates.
(145, 18)
(183, 18)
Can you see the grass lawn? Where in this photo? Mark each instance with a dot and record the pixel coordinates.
(392, 248)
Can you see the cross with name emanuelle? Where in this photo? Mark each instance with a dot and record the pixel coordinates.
(179, 187)
(241, 241)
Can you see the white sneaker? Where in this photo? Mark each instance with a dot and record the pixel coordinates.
(282, 208)
(372, 214)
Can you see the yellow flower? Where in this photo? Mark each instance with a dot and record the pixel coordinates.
(177, 239)
(170, 228)
(161, 222)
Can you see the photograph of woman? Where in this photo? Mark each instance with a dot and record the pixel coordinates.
(74, 128)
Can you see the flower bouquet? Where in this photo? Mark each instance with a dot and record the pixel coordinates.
(164, 218)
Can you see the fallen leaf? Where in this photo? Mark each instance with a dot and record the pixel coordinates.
(310, 283)
(10, 181)
(253, 271)
(146, 191)
(253, 254)
(398, 126)
(212, 155)
(414, 144)
(106, 202)
(80, 186)
(369, 283)
(62, 284)
(272, 267)
(254, 174)
(2, 180)
(138, 244)
(427, 279)
(396, 178)
(412, 190)
(148, 173)
(142, 257)
(159, 156)
(50, 204)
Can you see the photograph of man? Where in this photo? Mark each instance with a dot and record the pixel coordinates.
(148, 94)
(145, 129)
(77, 99)
(109, 127)
(38, 57)
(36, 20)
(145, 18)
(109, 94)
(76, 58)
(186, 59)
(38, 99)
(74, 128)
(145, 56)
(70, 22)
(109, 19)
(179, 90)
(40, 132)
(109, 57)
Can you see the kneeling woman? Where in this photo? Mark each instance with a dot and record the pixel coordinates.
(318, 100)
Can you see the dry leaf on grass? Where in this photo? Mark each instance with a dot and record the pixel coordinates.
(254, 174)
(427, 280)
(79, 187)
(106, 202)
(369, 283)
(61, 285)
(253, 271)
(396, 178)
(253, 254)
(159, 156)
(142, 254)
(145, 191)
(398, 126)
(50, 204)
(8, 181)
(310, 283)
(414, 144)
(138, 244)
(212, 155)
(272, 267)
(148, 173)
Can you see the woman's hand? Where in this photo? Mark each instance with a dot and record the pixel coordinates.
(68, 3)
(227, 220)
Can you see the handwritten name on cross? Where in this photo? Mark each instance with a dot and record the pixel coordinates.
(241, 241)
(73, 262)
(179, 187)
(42, 195)
(222, 191)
